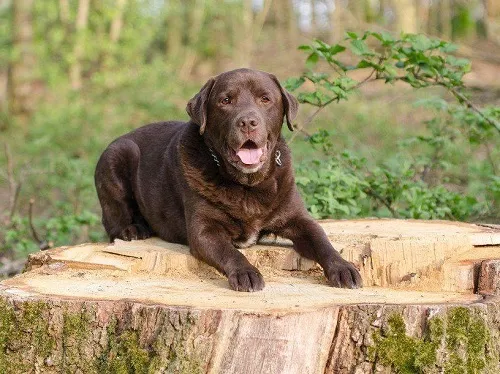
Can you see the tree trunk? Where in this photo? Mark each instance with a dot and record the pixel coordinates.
(406, 16)
(337, 26)
(196, 20)
(246, 41)
(150, 307)
(492, 8)
(314, 21)
(423, 13)
(250, 29)
(6, 8)
(292, 26)
(64, 11)
(281, 26)
(358, 10)
(445, 17)
(175, 29)
(260, 19)
(82, 18)
(4, 84)
(117, 22)
(21, 78)
(492, 20)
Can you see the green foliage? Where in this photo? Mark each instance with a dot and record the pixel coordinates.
(331, 190)
(414, 59)
(54, 161)
(418, 179)
(61, 229)
(346, 186)
(55, 40)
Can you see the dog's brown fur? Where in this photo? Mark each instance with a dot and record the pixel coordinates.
(185, 183)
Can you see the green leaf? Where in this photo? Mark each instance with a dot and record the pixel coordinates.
(346, 82)
(337, 48)
(310, 98)
(305, 47)
(363, 64)
(421, 42)
(457, 62)
(391, 72)
(352, 35)
(291, 84)
(316, 77)
(342, 66)
(449, 47)
(387, 36)
(359, 47)
(312, 60)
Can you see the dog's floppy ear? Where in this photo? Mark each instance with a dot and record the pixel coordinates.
(197, 106)
(290, 104)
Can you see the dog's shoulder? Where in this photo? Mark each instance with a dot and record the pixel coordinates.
(198, 166)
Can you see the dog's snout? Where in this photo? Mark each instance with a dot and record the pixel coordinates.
(248, 123)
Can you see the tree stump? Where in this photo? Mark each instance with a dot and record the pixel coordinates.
(430, 304)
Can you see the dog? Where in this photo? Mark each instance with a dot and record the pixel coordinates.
(218, 182)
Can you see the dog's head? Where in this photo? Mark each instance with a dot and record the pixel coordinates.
(240, 114)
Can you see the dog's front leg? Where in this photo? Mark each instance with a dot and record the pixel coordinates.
(210, 242)
(310, 241)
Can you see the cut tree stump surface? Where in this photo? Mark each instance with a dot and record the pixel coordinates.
(431, 286)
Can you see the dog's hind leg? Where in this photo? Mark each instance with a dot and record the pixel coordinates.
(114, 176)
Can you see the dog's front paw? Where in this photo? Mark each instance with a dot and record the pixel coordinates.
(343, 274)
(246, 280)
(134, 232)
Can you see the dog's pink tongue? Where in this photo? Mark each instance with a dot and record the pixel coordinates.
(249, 156)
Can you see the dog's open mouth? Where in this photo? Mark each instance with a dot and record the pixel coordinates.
(250, 153)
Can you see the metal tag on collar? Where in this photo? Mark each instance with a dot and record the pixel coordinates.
(214, 156)
(278, 158)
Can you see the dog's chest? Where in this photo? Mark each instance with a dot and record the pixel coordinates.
(246, 239)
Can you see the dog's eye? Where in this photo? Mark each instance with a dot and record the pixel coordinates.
(265, 99)
(226, 101)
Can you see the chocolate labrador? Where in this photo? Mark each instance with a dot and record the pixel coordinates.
(217, 182)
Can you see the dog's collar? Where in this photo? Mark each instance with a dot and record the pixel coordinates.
(277, 157)
(214, 156)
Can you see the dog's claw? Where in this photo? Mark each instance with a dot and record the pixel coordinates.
(134, 232)
(343, 274)
(246, 280)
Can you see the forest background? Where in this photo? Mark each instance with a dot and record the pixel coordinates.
(75, 74)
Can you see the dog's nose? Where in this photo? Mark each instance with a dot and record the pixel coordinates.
(248, 123)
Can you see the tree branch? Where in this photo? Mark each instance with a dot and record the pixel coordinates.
(463, 99)
(320, 108)
(14, 187)
(376, 196)
(42, 244)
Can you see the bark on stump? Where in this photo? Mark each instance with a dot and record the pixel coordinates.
(149, 307)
